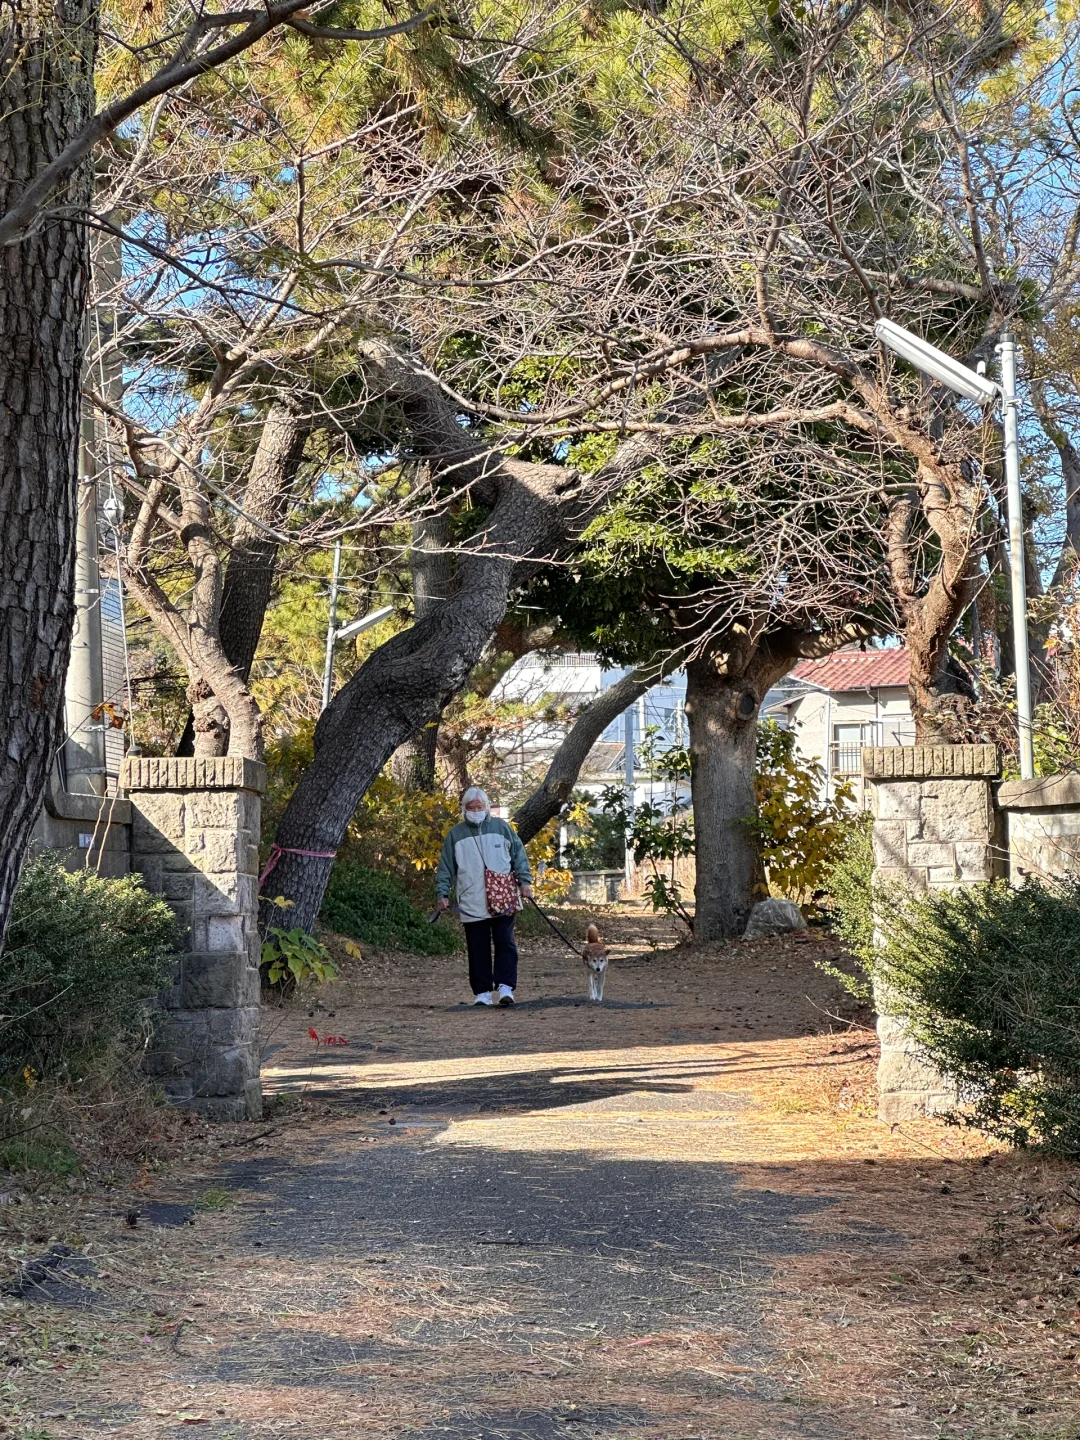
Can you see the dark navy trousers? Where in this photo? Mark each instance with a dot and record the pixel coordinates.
(483, 936)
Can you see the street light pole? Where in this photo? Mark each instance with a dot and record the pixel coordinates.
(1007, 353)
(630, 783)
(331, 630)
(973, 385)
(334, 632)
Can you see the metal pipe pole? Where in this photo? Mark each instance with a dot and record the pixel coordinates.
(85, 761)
(331, 630)
(631, 786)
(1007, 352)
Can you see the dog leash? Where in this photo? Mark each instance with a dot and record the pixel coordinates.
(455, 909)
(554, 927)
(569, 943)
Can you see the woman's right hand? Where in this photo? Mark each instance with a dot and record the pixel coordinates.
(443, 903)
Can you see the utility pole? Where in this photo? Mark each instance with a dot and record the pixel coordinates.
(630, 781)
(84, 689)
(331, 630)
(1007, 353)
(974, 385)
(84, 747)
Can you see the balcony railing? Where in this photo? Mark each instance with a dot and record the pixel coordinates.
(845, 759)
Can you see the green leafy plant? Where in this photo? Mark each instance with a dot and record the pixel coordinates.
(84, 958)
(295, 957)
(659, 834)
(48, 1153)
(216, 1198)
(372, 906)
(850, 906)
(598, 838)
(801, 836)
(988, 981)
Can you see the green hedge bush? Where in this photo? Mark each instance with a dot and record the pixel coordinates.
(850, 906)
(988, 980)
(83, 958)
(372, 906)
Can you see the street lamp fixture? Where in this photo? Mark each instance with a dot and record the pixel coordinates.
(355, 627)
(972, 386)
(346, 632)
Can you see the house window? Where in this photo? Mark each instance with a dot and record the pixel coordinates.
(845, 753)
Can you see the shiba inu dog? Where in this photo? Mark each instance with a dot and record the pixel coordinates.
(594, 954)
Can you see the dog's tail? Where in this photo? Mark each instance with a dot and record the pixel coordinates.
(592, 935)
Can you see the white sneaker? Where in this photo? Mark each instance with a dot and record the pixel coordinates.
(484, 999)
(506, 995)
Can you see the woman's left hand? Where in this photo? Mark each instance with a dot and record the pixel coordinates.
(526, 892)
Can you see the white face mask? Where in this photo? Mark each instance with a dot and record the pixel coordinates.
(475, 817)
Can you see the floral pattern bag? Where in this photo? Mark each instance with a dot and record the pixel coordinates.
(500, 891)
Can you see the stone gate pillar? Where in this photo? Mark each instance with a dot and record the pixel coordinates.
(194, 838)
(935, 828)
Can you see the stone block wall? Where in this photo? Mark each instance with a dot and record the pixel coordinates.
(935, 827)
(194, 838)
(85, 830)
(934, 820)
(596, 887)
(1042, 826)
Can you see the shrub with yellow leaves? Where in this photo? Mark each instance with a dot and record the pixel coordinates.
(800, 835)
(401, 831)
(550, 883)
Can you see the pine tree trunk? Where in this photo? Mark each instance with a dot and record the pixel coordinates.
(267, 500)
(249, 576)
(402, 687)
(413, 765)
(722, 713)
(46, 95)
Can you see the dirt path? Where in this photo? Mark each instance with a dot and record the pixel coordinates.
(673, 1218)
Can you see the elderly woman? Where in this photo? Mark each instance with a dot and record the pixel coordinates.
(478, 849)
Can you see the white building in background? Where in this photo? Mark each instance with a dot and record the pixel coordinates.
(577, 678)
(835, 706)
(839, 705)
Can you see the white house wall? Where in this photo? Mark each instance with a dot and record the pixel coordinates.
(813, 716)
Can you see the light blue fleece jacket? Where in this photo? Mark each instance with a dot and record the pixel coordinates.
(467, 851)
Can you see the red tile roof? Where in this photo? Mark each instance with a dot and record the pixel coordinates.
(856, 669)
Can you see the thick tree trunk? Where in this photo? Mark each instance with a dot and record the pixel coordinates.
(403, 686)
(724, 691)
(267, 500)
(938, 692)
(413, 765)
(46, 96)
(722, 712)
(548, 799)
(249, 575)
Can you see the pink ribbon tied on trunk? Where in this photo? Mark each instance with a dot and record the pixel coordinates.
(276, 852)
